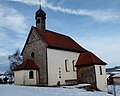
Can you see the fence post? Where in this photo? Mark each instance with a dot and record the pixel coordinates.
(114, 89)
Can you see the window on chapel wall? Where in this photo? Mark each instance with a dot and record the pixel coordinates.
(31, 75)
(73, 63)
(32, 54)
(66, 65)
(100, 70)
(38, 20)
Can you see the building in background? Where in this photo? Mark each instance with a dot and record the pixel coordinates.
(113, 75)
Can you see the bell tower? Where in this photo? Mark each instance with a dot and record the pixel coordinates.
(40, 17)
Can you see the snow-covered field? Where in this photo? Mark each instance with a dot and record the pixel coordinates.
(13, 90)
(117, 89)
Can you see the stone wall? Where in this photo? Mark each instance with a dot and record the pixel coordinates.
(36, 45)
(86, 74)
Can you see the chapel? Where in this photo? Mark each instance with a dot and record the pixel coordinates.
(51, 59)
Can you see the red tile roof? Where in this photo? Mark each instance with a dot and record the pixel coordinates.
(88, 58)
(59, 41)
(27, 64)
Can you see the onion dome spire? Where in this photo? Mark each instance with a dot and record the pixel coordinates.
(40, 17)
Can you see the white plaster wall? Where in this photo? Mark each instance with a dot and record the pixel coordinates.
(18, 77)
(101, 79)
(56, 59)
(22, 77)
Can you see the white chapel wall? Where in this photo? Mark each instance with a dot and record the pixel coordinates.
(101, 79)
(56, 60)
(22, 77)
(18, 77)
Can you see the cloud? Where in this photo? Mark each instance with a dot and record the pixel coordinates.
(4, 63)
(4, 66)
(3, 52)
(13, 27)
(9, 42)
(105, 47)
(29, 2)
(12, 20)
(98, 15)
(2, 36)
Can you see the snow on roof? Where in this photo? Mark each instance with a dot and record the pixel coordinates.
(88, 58)
(55, 41)
(118, 69)
(108, 75)
(115, 72)
(2, 77)
(116, 76)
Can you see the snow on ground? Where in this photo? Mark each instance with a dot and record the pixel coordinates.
(13, 90)
(117, 89)
(77, 86)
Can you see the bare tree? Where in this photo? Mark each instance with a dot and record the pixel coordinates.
(14, 60)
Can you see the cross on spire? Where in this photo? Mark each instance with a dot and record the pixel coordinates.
(40, 6)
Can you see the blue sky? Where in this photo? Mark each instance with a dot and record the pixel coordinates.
(94, 24)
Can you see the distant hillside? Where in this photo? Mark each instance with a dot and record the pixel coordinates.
(116, 68)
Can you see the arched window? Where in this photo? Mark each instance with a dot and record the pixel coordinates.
(31, 75)
(38, 20)
(73, 62)
(32, 54)
(66, 65)
(100, 70)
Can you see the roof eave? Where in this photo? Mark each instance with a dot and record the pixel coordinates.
(26, 69)
(81, 65)
(65, 49)
(27, 40)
